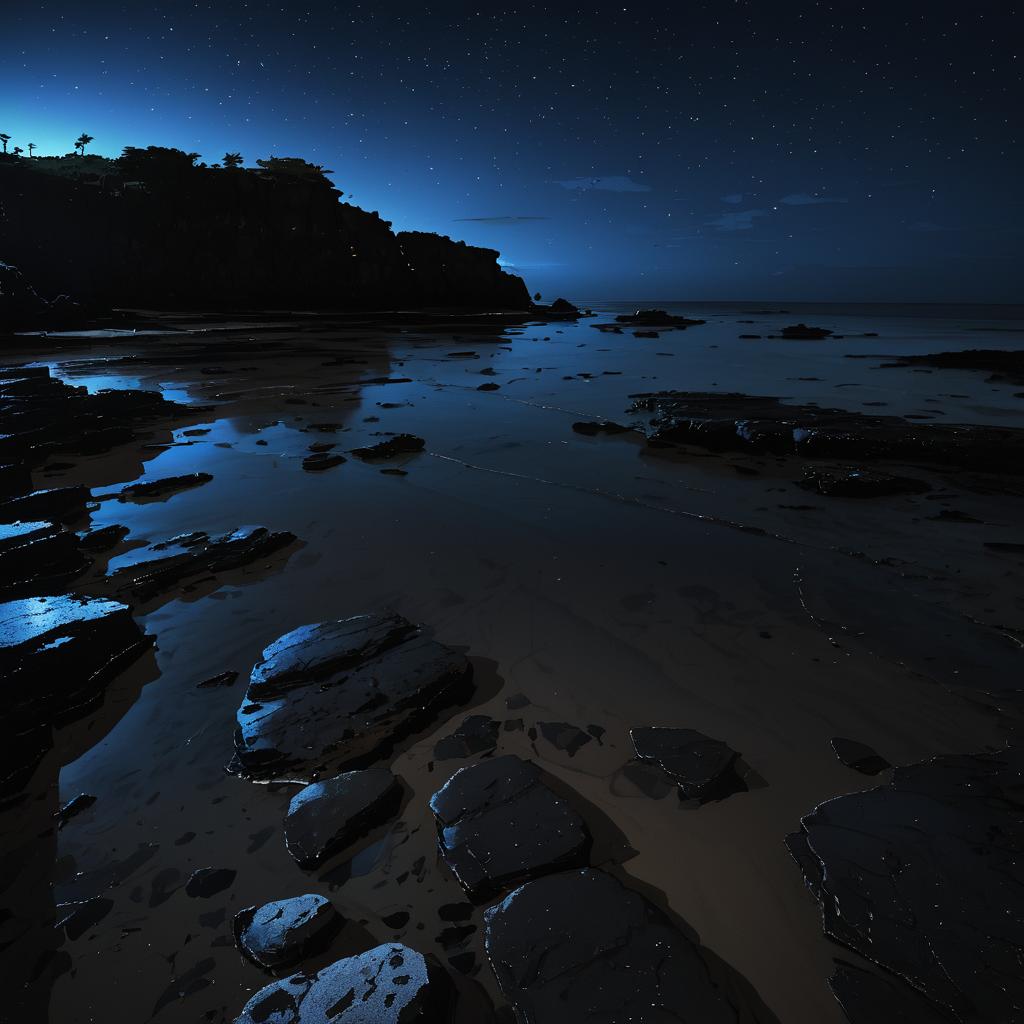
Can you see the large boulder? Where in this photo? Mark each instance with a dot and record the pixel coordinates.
(336, 695)
(580, 946)
(923, 876)
(390, 984)
(500, 824)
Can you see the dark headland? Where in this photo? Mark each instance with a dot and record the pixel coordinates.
(380, 644)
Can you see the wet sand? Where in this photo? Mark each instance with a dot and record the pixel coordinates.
(613, 587)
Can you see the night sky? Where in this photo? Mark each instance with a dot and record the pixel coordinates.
(717, 150)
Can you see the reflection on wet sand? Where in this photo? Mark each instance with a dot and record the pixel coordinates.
(600, 587)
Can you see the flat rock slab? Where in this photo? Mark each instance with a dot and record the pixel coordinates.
(703, 768)
(336, 695)
(859, 756)
(206, 882)
(38, 557)
(327, 816)
(164, 487)
(60, 504)
(390, 984)
(499, 824)
(283, 932)
(869, 998)
(162, 566)
(400, 444)
(478, 734)
(758, 423)
(923, 876)
(580, 946)
(56, 656)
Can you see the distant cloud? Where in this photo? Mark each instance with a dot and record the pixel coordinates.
(608, 183)
(734, 197)
(499, 220)
(740, 220)
(806, 199)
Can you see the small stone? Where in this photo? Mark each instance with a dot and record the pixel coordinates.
(207, 882)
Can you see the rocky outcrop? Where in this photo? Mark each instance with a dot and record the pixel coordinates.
(156, 232)
(336, 695)
(390, 984)
(56, 656)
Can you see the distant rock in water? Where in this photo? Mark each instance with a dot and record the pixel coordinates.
(400, 444)
(656, 318)
(177, 236)
(164, 487)
(801, 332)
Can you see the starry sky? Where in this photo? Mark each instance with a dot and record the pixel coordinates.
(726, 149)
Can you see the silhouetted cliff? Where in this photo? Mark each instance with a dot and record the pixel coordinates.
(152, 230)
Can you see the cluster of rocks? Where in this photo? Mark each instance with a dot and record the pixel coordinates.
(650, 322)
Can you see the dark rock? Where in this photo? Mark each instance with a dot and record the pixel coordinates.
(56, 656)
(517, 701)
(656, 318)
(455, 911)
(869, 998)
(735, 422)
(1003, 365)
(322, 460)
(801, 332)
(488, 387)
(77, 918)
(59, 504)
(164, 487)
(563, 306)
(454, 937)
(397, 920)
(580, 946)
(564, 736)
(221, 679)
(338, 694)
(646, 334)
(477, 735)
(858, 756)
(207, 882)
(703, 768)
(15, 479)
(36, 557)
(74, 806)
(328, 816)
(284, 932)
(499, 824)
(400, 444)
(606, 427)
(104, 538)
(390, 984)
(197, 553)
(922, 876)
(858, 483)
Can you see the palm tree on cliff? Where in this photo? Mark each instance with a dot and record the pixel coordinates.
(82, 141)
(31, 146)
(232, 160)
(4, 138)
(17, 151)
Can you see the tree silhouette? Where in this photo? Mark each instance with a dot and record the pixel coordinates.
(232, 160)
(31, 146)
(82, 141)
(17, 151)
(4, 138)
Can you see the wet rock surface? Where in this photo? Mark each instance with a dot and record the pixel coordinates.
(703, 768)
(322, 460)
(284, 932)
(859, 756)
(477, 734)
(390, 984)
(328, 816)
(56, 656)
(163, 487)
(850, 482)
(206, 882)
(37, 557)
(500, 824)
(871, 998)
(656, 318)
(59, 504)
(194, 554)
(400, 444)
(337, 694)
(922, 876)
(737, 422)
(580, 946)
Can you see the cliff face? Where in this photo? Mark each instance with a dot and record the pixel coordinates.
(230, 238)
